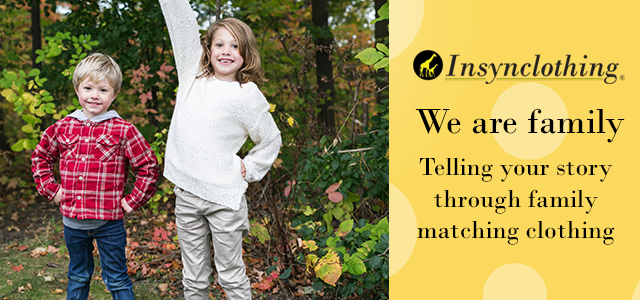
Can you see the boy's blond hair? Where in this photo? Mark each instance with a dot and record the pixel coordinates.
(251, 69)
(97, 67)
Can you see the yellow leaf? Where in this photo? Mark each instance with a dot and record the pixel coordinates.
(309, 211)
(310, 260)
(7, 93)
(27, 128)
(290, 120)
(329, 268)
(28, 98)
(272, 107)
(57, 291)
(311, 245)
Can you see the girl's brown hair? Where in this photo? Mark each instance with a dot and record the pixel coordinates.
(251, 69)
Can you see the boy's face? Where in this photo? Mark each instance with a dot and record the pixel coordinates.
(225, 55)
(95, 97)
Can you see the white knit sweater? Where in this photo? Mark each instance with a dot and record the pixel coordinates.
(211, 122)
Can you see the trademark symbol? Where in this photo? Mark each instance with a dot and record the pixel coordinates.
(622, 77)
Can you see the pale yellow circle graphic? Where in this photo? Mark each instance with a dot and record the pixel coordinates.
(636, 293)
(407, 19)
(514, 281)
(519, 102)
(402, 229)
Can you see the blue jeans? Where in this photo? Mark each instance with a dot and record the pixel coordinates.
(111, 239)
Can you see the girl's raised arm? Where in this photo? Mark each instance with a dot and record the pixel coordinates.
(185, 37)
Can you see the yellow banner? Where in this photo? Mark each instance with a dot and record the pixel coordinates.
(514, 140)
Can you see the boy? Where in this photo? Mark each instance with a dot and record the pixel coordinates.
(95, 148)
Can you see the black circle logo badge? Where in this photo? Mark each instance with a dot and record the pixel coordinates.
(427, 65)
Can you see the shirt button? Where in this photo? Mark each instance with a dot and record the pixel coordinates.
(80, 178)
(86, 140)
(87, 124)
(83, 159)
(67, 140)
(79, 197)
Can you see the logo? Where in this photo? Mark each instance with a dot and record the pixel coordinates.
(427, 65)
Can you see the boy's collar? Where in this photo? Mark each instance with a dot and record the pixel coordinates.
(79, 115)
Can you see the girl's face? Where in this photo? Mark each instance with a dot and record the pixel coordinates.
(225, 55)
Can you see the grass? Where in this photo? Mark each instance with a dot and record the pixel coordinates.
(47, 277)
(44, 277)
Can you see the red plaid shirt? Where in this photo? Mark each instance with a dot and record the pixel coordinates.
(94, 159)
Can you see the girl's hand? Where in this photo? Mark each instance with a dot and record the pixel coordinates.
(58, 197)
(243, 170)
(125, 206)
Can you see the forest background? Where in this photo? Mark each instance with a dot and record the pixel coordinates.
(319, 219)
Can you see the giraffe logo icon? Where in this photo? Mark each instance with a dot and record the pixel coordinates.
(428, 65)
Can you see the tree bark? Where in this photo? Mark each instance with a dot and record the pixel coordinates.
(36, 33)
(324, 66)
(3, 136)
(218, 10)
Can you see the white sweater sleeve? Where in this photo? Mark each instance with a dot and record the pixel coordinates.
(185, 37)
(265, 134)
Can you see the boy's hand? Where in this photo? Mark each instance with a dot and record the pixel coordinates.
(243, 170)
(58, 197)
(125, 206)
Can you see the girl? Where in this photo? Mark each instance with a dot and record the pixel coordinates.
(218, 106)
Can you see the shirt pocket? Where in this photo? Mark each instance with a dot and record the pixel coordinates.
(107, 148)
(68, 146)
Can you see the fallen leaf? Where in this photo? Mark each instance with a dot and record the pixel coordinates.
(15, 216)
(9, 282)
(163, 287)
(48, 278)
(52, 249)
(38, 251)
(307, 290)
(57, 291)
(266, 284)
(17, 268)
(22, 248)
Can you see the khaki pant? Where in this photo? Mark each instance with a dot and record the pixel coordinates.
(199, 222)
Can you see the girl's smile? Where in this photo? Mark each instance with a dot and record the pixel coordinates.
(225, 55)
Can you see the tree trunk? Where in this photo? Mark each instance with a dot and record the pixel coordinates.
(381, 35)
(324, 66)
(218, 10)
(3, 136)
(36, 33)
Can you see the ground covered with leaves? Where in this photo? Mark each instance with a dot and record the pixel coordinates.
(34, 259)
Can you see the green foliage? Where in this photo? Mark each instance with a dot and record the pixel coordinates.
(332, 189)
(259, 231)
(359, 253)
(378, 56)
(25, 91)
